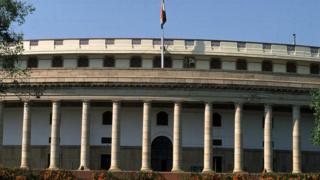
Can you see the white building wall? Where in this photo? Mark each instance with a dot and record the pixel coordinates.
(131, 127)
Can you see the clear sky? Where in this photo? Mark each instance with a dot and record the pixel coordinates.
(245, 20)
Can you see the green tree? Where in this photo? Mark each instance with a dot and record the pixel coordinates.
(12, 76)
(315, 105)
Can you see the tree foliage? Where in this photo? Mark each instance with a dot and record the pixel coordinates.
(315, 105)
(12, 75)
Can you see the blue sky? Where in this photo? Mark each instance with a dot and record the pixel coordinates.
(245, 20)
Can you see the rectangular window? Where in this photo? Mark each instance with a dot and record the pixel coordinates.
(32, 62)
(168, 42)
(83, 61)
(241, 44)
(156, 42)
(84, 42)
(314, 50)
(189, 42)
(105, 140)
(109, 42)
(57, 61)
(215, 43)
(136, 41)
(291, 48)
(266, 46)
(217, 142)
(58, 42)
(34, 43)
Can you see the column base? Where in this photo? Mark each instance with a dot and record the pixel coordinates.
(238, 171)
(114, 169)
(296, 172)
(207, 171)
(83, 168)
(24, 167)
(53, 168)
(267, 171)
(176, 170)
(146, 169)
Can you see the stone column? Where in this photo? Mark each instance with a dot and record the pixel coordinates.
(238, 138)
(26, 137)
(177, 140)
(115, 140)
(55, 136)
(1, 130)
(296, 154)
(146, 163)
(268, 139)
(85, 133)
(207, 160)
(1, 122)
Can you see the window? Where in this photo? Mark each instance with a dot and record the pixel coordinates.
(57, 61)
(136, 61)
(107, 118)
(162, 119)
(291, 67)
(215, 44)
(291, 48)
(267, 66)
(105, 140)
(216, 120)
(266, 46)
(136, 41)
(168, 42)
(32, 62)
(215, 63)
(157, 62)
(314, 68)
(108, 61)
(156, 42)
(84, 41)
(109, 41)
(34, 43)
(217, 142)
(189, 62)
(189, 43)
(83, 61)
(241, 64)
(58, 42)
(241, 45)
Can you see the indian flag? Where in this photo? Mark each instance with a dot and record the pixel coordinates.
(163, 16)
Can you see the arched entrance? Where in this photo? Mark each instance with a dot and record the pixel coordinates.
(161, 154)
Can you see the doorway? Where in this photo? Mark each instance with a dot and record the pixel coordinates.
(161, 154)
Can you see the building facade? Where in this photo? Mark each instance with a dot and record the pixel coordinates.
(219, 106)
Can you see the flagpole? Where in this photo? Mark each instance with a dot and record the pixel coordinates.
(162, 48)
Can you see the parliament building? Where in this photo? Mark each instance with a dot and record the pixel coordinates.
(216, 106)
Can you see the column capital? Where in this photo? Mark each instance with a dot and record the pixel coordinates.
(147, 101)
(86, 100)
(208, 102)
(296, 106)
(116, 101)
(238, 103)
(56, 100)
